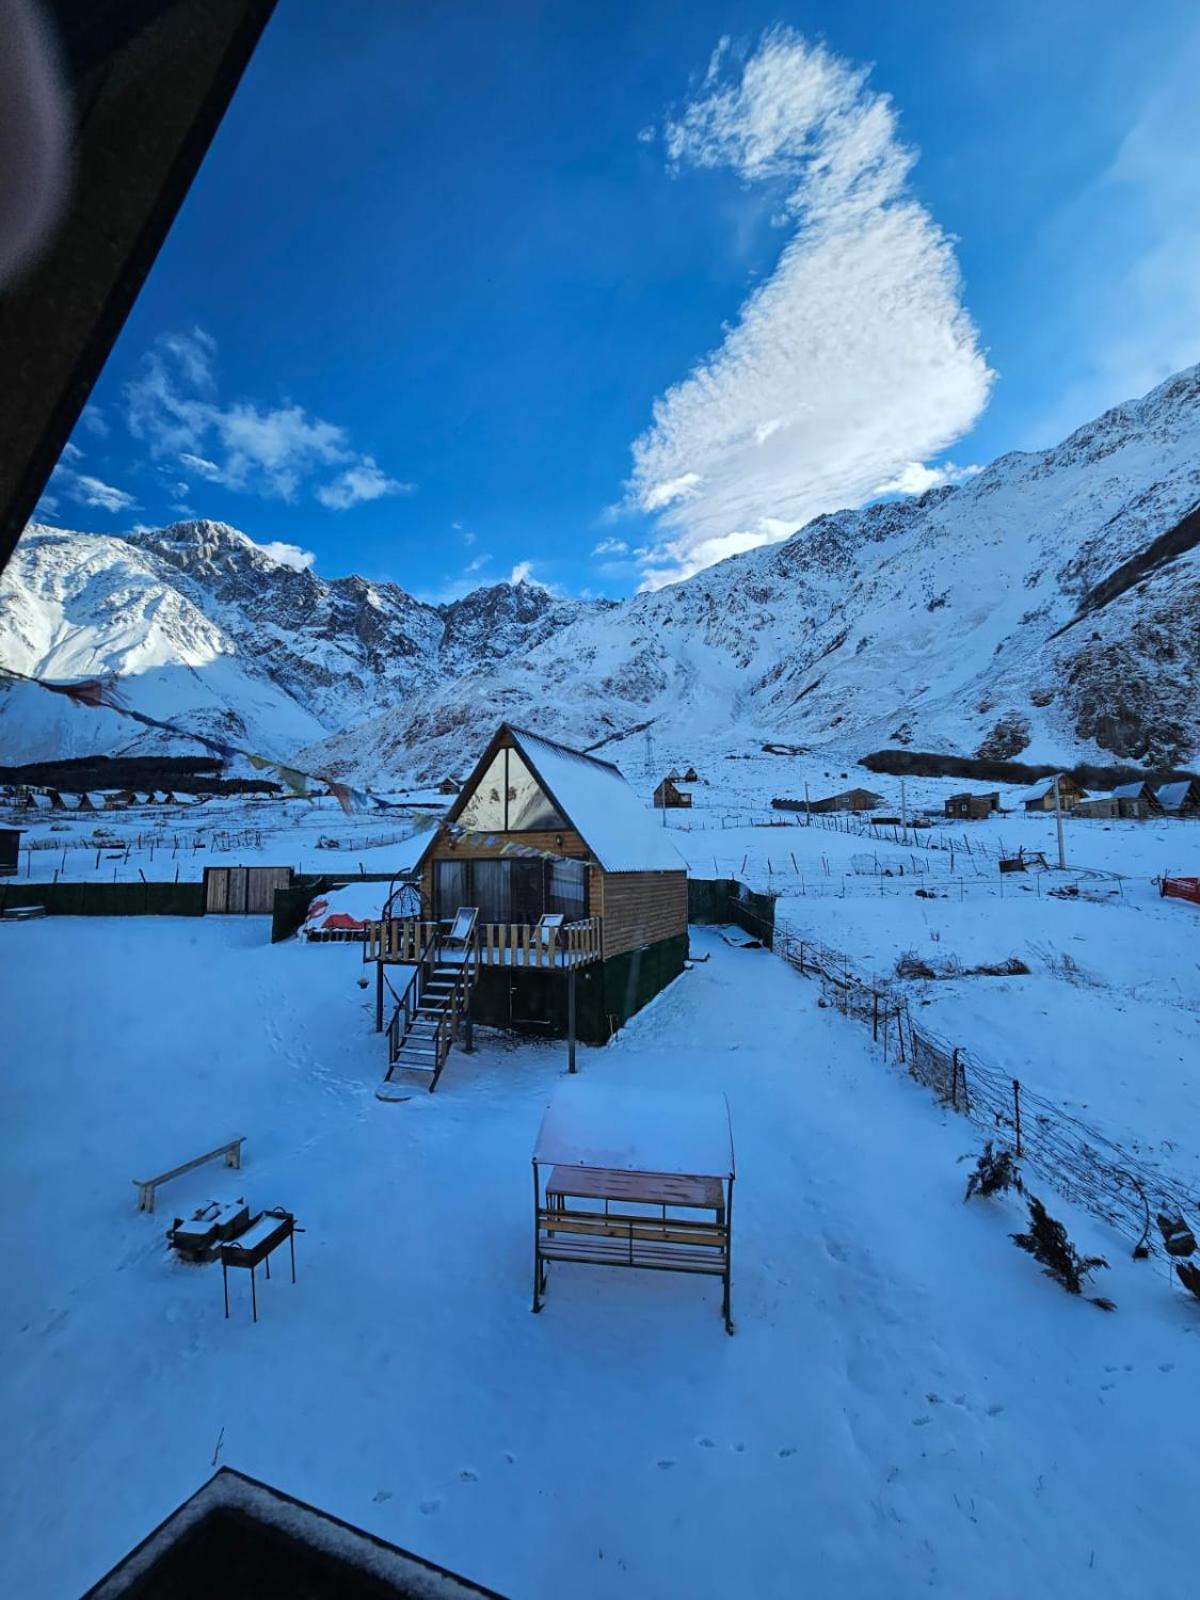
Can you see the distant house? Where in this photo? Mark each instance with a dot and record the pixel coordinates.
(1181, 799)
(972, 807)
(667, 795)
(449, 785)
(10, 846)
(1136, 799)
(690, 775)
(1041, 798)
(1103, 806)
(849, 800)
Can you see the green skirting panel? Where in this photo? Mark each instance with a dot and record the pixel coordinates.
(107, 899)
(606, 995)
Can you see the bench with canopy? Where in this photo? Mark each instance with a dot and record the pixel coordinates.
(634, 1178)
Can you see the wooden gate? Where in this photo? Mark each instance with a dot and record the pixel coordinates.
(243, 891)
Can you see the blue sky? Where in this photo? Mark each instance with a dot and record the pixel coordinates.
(602, 293)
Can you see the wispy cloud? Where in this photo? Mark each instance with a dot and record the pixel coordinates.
(94, 421)
(83, 488)
(288, 555)
(365, 480)
(522, 572)
(610, 547)
(852, 361)
(1131, 243)
(173, 406)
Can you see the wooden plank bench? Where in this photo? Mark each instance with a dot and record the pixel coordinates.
(231, 1150)
(570, 1231)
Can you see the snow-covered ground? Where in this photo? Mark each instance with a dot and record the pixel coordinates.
(908, 1406)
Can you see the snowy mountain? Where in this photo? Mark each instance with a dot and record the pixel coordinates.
(1045, 608)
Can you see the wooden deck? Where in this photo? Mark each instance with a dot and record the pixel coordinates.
(498, 944)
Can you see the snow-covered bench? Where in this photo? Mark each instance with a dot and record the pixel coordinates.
(231, 1150)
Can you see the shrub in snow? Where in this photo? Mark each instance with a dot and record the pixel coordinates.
(1180, 1241)
(910, 965)
(1048, 1243)
(996, 1172)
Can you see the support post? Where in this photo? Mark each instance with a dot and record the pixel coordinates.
(1017, 1112)
(570, 1019)
(379, 996)
(1062, 852)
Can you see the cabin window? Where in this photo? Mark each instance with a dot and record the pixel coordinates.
(509, 799)
(516, 892)
(449, 888)
(566, 888)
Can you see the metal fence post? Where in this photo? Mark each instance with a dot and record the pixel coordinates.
(1017, 1110)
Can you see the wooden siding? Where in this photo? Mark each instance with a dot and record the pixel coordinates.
(637, 908)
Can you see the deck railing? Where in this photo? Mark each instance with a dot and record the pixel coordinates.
(500, 944)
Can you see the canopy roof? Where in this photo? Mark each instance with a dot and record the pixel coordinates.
(637, 1130)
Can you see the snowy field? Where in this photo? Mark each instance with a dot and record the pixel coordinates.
(907, 1407)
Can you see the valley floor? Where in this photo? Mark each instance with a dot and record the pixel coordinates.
(907, 1407)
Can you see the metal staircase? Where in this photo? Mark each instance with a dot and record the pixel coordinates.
(431, 1013)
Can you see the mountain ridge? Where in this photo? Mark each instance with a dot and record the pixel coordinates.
(956, 621)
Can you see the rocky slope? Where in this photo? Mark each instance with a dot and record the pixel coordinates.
(1048, 608)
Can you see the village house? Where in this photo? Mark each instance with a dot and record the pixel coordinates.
(1180, 799)
(849, 800)
(1041, 798)
(1104, 806)
(1136, 799)
(972, 807)
(579, 897)
(668, 795)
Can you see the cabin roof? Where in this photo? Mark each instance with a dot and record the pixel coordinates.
(1046, 786)
(622, 833)
(1130, 791)
(1172, 795)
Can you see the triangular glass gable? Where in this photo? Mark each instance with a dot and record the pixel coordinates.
(509, 799)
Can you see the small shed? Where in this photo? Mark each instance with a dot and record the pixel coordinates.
(449, 785)
(690, 775)
(668, 796)
(1103, 806)
(10, 848)
(972, 807)
(84, 803)
(1041, 798)
(1181, 799)
(1136, 799)
(849, 800)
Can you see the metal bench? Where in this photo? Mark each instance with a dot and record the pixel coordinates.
(231, 1150)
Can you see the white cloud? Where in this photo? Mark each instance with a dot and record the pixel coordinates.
(610, 547)
(366, 480)
(521, 573)
(469, 538)
(47, 506)
(288, 555)
(273, 451)
(855, 356)
(916, 477)
(85, 489)
(93, 420)
(91, 491)
(478, 564)
(71, 452)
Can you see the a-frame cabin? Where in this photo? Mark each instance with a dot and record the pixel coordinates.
(575, 883)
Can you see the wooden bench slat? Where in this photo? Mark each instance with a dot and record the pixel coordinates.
(610, 1252)
(652, 1229)
(231, 1150)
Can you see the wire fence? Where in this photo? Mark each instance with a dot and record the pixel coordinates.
(1088, 1167)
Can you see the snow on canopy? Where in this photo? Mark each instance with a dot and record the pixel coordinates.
(352, 906)
(637, 1130)
(617, 828)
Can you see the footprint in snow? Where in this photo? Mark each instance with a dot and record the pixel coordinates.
(788, 1450)
(666, 1464)
(995, 1410)
(428, 1507)
(381, 1495)
(510, 1458)
(706, 1443)
(467, 1476)
(921, 1422)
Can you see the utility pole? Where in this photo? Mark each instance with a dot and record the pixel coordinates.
(1062, 852)
(903, 808)
(807, 809)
